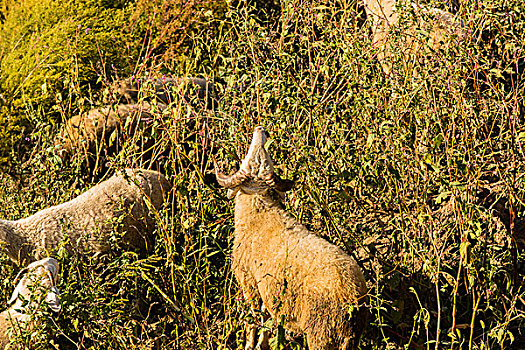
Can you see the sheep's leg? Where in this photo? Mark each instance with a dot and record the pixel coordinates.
(347, 344)
(254, 300)
(264, 338)
(350, 343)
(251, 334)
(251, 329)
(318, 344)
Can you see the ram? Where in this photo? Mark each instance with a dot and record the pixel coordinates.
(37, 287)
(124, 203)
(318, 288)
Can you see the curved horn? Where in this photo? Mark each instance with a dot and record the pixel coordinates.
(18, 287)
(20, 273)
(229, 181)
(274, 181)
(51, 277)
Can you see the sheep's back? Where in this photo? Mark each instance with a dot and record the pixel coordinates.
(93, 131)
(325, 294)
(444, 30)
(87, 220)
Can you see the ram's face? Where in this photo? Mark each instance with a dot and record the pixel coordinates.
(257, 163)
(260, 136)
(256, 174)
(38, 282)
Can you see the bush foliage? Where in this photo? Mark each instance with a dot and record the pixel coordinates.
(418, 175)
(55, 56)
(53, 52)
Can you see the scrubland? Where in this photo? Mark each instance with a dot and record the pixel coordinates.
(419, 175)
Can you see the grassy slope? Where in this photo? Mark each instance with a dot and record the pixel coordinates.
(394, 169)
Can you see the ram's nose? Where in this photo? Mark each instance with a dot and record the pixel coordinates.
(263, 131)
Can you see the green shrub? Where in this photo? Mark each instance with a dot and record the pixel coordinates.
(55, 56)
(174, 25)
(53, 53)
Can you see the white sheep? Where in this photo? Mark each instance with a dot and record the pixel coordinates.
(318, 288)
(37, 287)
(443, 28)
(121, 203)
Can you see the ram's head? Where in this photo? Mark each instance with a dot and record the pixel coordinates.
(256, 174)
(37, 282)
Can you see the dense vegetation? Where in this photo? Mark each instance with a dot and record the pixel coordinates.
(419, 174)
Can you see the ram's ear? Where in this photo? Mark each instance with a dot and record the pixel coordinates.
(274, 181)
(53, 296)
(52, 271)
(18, 287)
(283, 185)
(53, 299)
